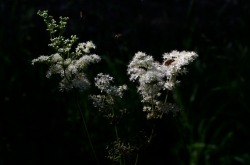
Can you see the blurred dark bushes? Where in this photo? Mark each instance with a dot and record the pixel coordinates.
(40, 125)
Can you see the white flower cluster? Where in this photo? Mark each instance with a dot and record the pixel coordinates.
(105, 101)
(103, 82)
(84, 47)
(154, 77)
(173, 65)
(69, 65)
(70, 69)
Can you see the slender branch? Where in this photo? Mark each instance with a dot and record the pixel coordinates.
(116, 134)
(151, 136)
(136, 160)
(87, 132)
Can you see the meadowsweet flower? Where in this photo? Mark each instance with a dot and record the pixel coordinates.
(40, 59)
(79, 81)
(109, 94)
(173, 63)
(71, 70)
(69, 65)
(56, 58)
(154, 77)
(85, 60)
(148, 73)
(103, 83)
(54, 69)
(85, 47)
(140, 64)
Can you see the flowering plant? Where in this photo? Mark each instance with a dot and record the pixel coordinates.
(69, 65)
(153, 78)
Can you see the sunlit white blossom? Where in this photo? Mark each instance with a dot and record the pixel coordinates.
(69, 65)
(140, 64)
(54, 69)
(85, 60)
(56, 58)
(40, 59)
(153, 77)
(173, 65)
(71, 68)
(85, 47)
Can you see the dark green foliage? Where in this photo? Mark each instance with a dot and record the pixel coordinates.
(40, 125)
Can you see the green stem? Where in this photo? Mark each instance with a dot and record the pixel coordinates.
(166, 97)
(87, 132)
(117, 135)
(151, 136)
(136, 160)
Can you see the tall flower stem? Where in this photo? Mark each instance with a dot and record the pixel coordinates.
(87, 132)
(136, 160)
(117, 135)
(166, 98)
(151, 135)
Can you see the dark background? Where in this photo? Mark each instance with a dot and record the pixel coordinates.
(40, 125)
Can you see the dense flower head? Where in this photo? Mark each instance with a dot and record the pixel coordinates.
(153, 77)
(85, 47)
(173, 65)
(140, 64)
(69, 65)
(71, 69)
(104, 83)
